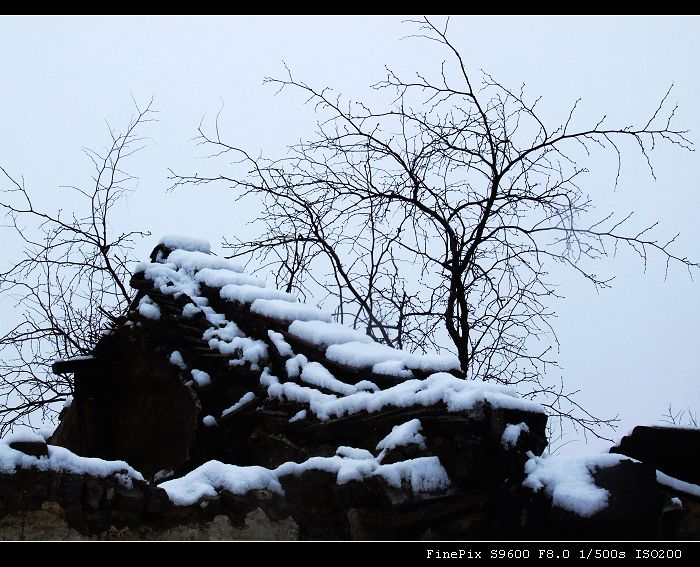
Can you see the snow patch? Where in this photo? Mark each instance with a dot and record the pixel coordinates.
(190, 310)
(201, 378)
(294, 365)
(60, 459)
(209, 421)
(281, 345)
(677, 484)
(298, 416)
(148, 309)
(569, 480)
(511, 434)
(353, 453)
(194, 261)
(286, 311)
(247, 397)
(316, 374)
(223, 277)
(231, 340)
(245, 293)
(424, 474)
(387, 360)
(324, 334)
(177, 360)
(401, 435)
(212, 477)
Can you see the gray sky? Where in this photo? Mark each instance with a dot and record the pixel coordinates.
(632, 350)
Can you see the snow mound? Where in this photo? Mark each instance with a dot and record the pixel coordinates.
(212, 477)
(511, 434)
(401, 435)
(569, 481)
(61, 460)
(423, 475)
(148, 309)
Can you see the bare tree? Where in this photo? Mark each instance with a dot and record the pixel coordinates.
(69, 281)
(681, 418)
(433, 220)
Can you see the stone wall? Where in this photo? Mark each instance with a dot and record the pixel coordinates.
(36, 505)
(39, 505)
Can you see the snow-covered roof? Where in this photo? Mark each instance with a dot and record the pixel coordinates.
(264, 387)
(330, 369)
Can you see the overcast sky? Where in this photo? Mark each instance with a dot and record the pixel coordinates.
(632, 350)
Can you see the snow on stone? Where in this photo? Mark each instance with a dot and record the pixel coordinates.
(424, 474)
(677, 502)
(223, 277)
(353, 453)
(209, 421)
(61, 460)
(212, 477)
(286, 311)
(401, 435)
(247, 397)
(177, 360)
(677, 484)
(201, 377)
(148, 309)
(457, 395)
(324, 334)
(298, 416)
(375, 355)
(175, 241)
(569, 482)
(281, 345)
(316, 374)
(511, 434)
